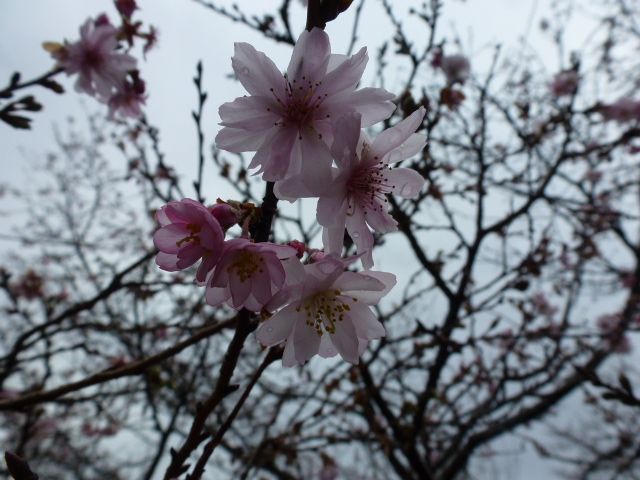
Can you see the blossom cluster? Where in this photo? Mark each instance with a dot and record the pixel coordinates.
(100, 60)
(306, 127)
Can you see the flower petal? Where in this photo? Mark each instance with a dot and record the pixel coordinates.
(345, 140)
(310, 56)
(257, 73)
(408, 182)
(367, 326)
(249, 113)
(346, 340)
(346, 75)
(167, 238)
(374, 104)
(239, 140)
(215, 296)
(393, 137)
(278, 327)
(306, 341)
(327, 349)
(372, 297)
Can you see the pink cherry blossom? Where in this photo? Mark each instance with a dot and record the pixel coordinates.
(248, 274)
(564, 83)
(101, 68)
(285, 114)
(623, 110)
(456, 68)
(129, 99)
(356, 196)
(189, 232)
(328, 313)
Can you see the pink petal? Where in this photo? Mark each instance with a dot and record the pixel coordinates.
(316, 174)
(382, 222)
(306, 341)
(261, 286)
(346, 75)
(361, 236)
(275, 271)
(327, 349)
(167, 262)
(333, 240)
(166, 238)
(345, 139)
(350, 281)
(367, 326)
(209, 262)
(310, 56)
(188, 255)
(249, 113)
(278, 327)
(372, 297)
(239, 140)
(332, 208)
(393, 137)
(216, 296)
(239, 290)
(413, 145)
(346, 341)
(374, 104)
(289, 356)
(275, 155)
(257, 73)
(408, 182)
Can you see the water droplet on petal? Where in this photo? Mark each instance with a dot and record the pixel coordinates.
(407, 190)
(269, 329)
(355, 234)
(245, 71)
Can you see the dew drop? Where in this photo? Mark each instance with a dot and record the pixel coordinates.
(269, 329)
(245, 71)
(355, 234)
(407, 190)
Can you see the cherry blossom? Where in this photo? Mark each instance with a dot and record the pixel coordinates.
(129, 99)
(564, 83)
(284, 114)
(456, 68)
(328, 313)
(101, 68)
(623, 110)
(189, 232)
(356, 195)
(248, 274)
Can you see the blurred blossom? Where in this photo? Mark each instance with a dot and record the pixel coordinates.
(101, 68)
(623, 110)
(564, 83)
(456, 68)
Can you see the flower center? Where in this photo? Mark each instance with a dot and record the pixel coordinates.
(92, 58)
(193, 235)
(368, 187)
(324, 310)
(246, 264)
(299, 103)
